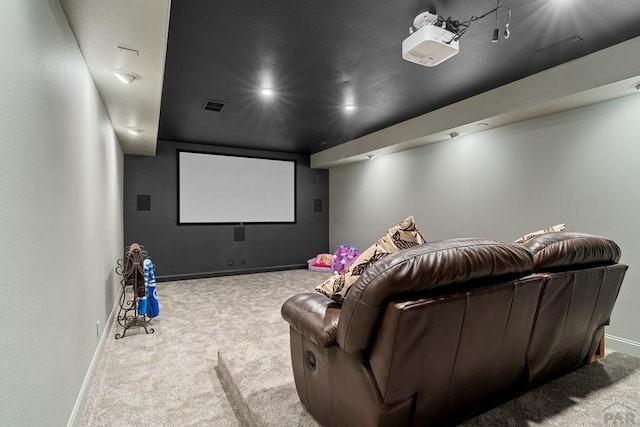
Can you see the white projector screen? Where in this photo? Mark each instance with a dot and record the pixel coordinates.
(215, 188)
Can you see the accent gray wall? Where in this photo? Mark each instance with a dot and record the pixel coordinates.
(579, 167)
(185, 251)
(61, 230)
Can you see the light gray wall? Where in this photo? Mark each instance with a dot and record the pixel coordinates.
(579, 167)
(61, 229)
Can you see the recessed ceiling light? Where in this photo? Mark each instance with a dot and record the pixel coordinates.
(371, 156)
(637, 87)
(134, 132)
(454, 135)
(266, 92)
(349, 107)
(482, 124)
(126, 77)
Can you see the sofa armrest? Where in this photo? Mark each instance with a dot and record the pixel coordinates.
(313, 315)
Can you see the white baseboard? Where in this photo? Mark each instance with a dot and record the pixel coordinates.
(76, 414)
(623, 345)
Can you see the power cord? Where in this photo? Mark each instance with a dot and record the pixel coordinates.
(459, 28)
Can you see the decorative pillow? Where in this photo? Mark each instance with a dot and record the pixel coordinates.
(559, 227)
(403, 236)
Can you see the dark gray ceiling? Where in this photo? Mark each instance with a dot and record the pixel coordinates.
(319, 55)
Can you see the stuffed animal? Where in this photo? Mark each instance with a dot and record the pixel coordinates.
(344, 257)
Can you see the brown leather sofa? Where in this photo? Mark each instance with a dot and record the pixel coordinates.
(437, 333)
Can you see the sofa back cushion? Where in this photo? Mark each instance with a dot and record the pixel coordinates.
(448, 265)
(570, 250)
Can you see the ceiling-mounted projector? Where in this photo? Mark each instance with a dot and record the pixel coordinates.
(430, 45)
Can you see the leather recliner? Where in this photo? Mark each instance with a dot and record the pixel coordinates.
(439, 332)
(581, 284)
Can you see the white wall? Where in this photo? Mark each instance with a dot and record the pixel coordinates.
(579, 167)
(61, 230)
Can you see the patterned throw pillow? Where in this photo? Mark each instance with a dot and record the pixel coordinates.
(559, 227)
(403, 236)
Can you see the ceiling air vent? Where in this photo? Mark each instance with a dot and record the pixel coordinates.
(563, 44)
(211, 105)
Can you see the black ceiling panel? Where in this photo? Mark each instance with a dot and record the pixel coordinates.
(319, 56)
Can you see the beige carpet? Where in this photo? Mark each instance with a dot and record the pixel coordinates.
(168, 378)
(599, 394)
(228, 332)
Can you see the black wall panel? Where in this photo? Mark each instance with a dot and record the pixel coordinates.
(187, 251)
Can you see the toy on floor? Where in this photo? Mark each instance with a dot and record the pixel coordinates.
(344, 256)
(322, 262)
(152, 308)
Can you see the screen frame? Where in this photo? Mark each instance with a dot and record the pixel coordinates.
(295, 188)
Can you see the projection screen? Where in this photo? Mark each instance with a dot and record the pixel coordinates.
(215, 189)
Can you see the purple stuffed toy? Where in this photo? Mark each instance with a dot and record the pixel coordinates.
(344, 257)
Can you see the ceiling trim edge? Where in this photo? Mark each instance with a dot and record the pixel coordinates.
(577, 83)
